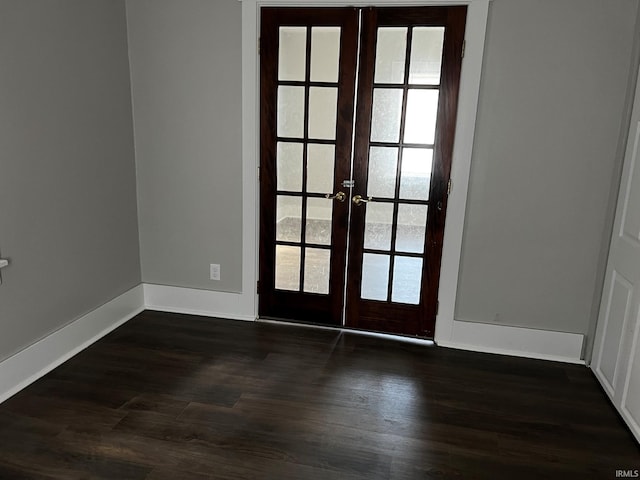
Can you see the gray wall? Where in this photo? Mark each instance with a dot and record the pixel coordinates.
(67, 177)
(551, 107)
(186, 76)
(552, 100)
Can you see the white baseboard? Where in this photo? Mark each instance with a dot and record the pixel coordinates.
(28, 365)
(235, 306)
(515, 341)
(505, 340)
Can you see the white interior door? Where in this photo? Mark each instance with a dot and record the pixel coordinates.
(617, 348)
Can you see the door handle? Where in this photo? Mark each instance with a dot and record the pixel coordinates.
(359, 200)
(340, 196)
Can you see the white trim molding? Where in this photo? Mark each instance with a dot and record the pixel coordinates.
(250, 159)
(477, 15)
(192, 301)
(515, 341)
(35, 361)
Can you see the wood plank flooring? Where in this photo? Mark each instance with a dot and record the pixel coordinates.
(171, 396)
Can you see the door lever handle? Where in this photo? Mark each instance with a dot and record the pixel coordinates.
(359, 200)
(340, 196)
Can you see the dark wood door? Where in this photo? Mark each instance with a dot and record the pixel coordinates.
(307, 65)
(410, 63)
(385, 227)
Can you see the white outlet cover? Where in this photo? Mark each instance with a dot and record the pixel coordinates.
(214, 271)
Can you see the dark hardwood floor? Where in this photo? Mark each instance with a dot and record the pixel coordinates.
(179, 397)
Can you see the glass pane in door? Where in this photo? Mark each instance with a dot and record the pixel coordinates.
(290, 111)
(378, 226)
(289, 166)
(319, 215)
(317, 269)
(381, 179)
(387, 112)
(391, 48)
(407, 279)
(325, 54)
(323, 103)
(292, 53)
(415, 175)
(375, 276)
(420, 120)
(287, 267)
(288, 218)
(426, 55)
(320, 167)
(412, 222)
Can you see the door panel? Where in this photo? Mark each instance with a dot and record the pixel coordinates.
(394, 209)
(618, 310)
(307, 87)
(616, 354)
(410, 68)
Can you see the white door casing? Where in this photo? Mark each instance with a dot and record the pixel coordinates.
(616, 360)
(475, 29)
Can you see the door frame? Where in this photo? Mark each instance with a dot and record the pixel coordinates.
(477, 15)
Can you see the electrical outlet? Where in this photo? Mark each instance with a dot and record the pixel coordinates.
(214, 271)
(3, 263)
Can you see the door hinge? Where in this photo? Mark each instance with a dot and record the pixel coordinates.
(259, 38)
(449, 187)
(437, 306)
(464, 45)
(258, 287)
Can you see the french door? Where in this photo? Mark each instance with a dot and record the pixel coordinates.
(357, 125)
